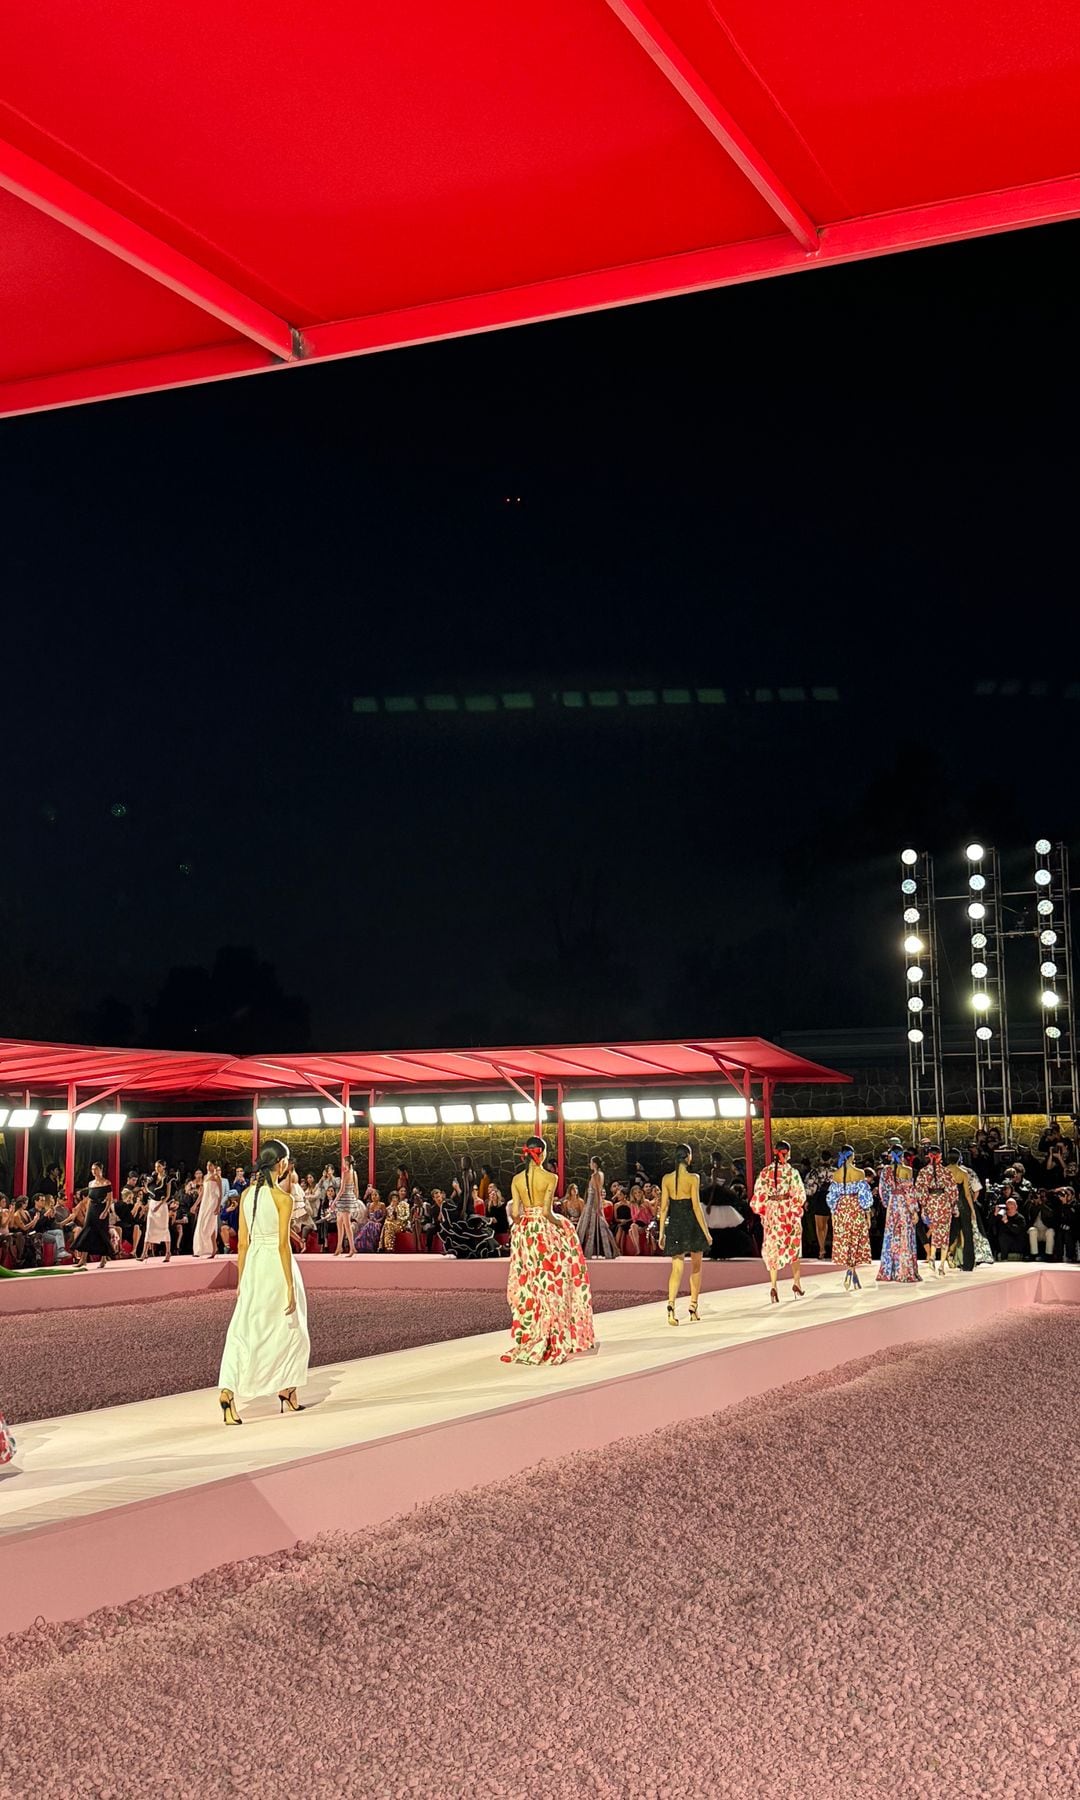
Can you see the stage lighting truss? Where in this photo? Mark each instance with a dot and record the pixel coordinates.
(987, 998)
(919, 948)
(1053, 941)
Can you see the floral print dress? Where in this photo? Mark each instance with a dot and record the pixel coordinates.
(779, 1200)
(936, 1192)
(547, 1290)
(7, 1443)
(899, 1249)
(850, 1203)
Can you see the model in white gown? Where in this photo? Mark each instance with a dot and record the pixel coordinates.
(206, 1224)
(267, 1349)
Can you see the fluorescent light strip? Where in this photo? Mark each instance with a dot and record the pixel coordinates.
(58, 1121)
(494, 1112)
(385, 1115)
(656, 1109)
(87, 1121)
(271, 1115)
(700, 1107)
(305, 1115)
(20, 1118)
(617, 1108)
(421, 1115)
(579, 1109)
(113, 1121)
(456, 1115)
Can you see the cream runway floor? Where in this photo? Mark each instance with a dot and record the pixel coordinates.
(71, 1468)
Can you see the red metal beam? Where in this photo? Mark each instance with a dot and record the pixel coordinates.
(727, 265)
(69, 205)
(718, 122)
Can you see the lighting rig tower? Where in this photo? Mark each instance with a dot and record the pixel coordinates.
(923, 1009)
(1053, 913)
(992, 1087)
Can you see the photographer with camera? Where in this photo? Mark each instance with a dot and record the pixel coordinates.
(1009, 1224)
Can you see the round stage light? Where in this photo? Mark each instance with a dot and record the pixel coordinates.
(1048, 970)
(981, 1002)
(1049, 998)
(978, 941)
(1042, 847)
(979, 971)
(983, 1033)
(914, 1004)
(1043, 878)
(1045, 907)
(910, 857)
(976, 883)
(1053, 1031)
(1048, 937)
(915, 1036)
(911, 915)
(976, 910)
(909, 887)
(914, 973)
(974, 853)
(913, 945)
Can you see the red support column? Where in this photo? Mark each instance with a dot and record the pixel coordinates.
(22, 1153)
(69, 1147)
(371, 1143)
(560, 1139)
(766, 1105)
(345, 1140)
(538, 1093)
(114, 1156)
(254, 1129)
(748, 1139)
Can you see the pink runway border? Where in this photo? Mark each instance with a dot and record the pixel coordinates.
(120, 1282)
(67, 1570)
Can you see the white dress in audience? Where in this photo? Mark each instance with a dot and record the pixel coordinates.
(266, 1351)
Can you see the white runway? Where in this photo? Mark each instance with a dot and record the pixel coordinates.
(93, 1462)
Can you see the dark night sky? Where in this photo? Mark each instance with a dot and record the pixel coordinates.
(865, 477)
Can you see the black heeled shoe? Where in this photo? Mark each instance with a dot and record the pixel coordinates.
(289, 1400)
(694, 1314)
(231, 1416)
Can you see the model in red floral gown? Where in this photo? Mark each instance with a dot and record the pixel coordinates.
(937, 1193)
(548, 1284)
(779, 1200)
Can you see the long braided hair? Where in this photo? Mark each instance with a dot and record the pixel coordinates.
(534, 1150)
(782, 1145)
(272, 1152)
(843, 1157)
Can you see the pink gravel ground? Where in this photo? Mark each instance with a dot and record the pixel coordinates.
(73, 1361)
(866, 1584)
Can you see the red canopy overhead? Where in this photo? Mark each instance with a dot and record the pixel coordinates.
(49, 1068)
(195, 191)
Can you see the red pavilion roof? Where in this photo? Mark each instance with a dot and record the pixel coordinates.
(49, 1068)
(189, 192)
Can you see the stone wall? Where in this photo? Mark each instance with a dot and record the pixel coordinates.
(432, 1153)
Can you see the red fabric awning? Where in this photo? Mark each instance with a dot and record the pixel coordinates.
(209, 190)
(47, 1069)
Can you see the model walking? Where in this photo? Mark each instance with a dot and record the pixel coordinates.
(850, 1198)
(548, 1283)
(267, 1349)
(899, 1246)
(593, 1232)
(346, 1204)
(683, 1230)
(779, 1200)
(936, 1193)
(206, 1224)
(158, 1201)
(94, 1239)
